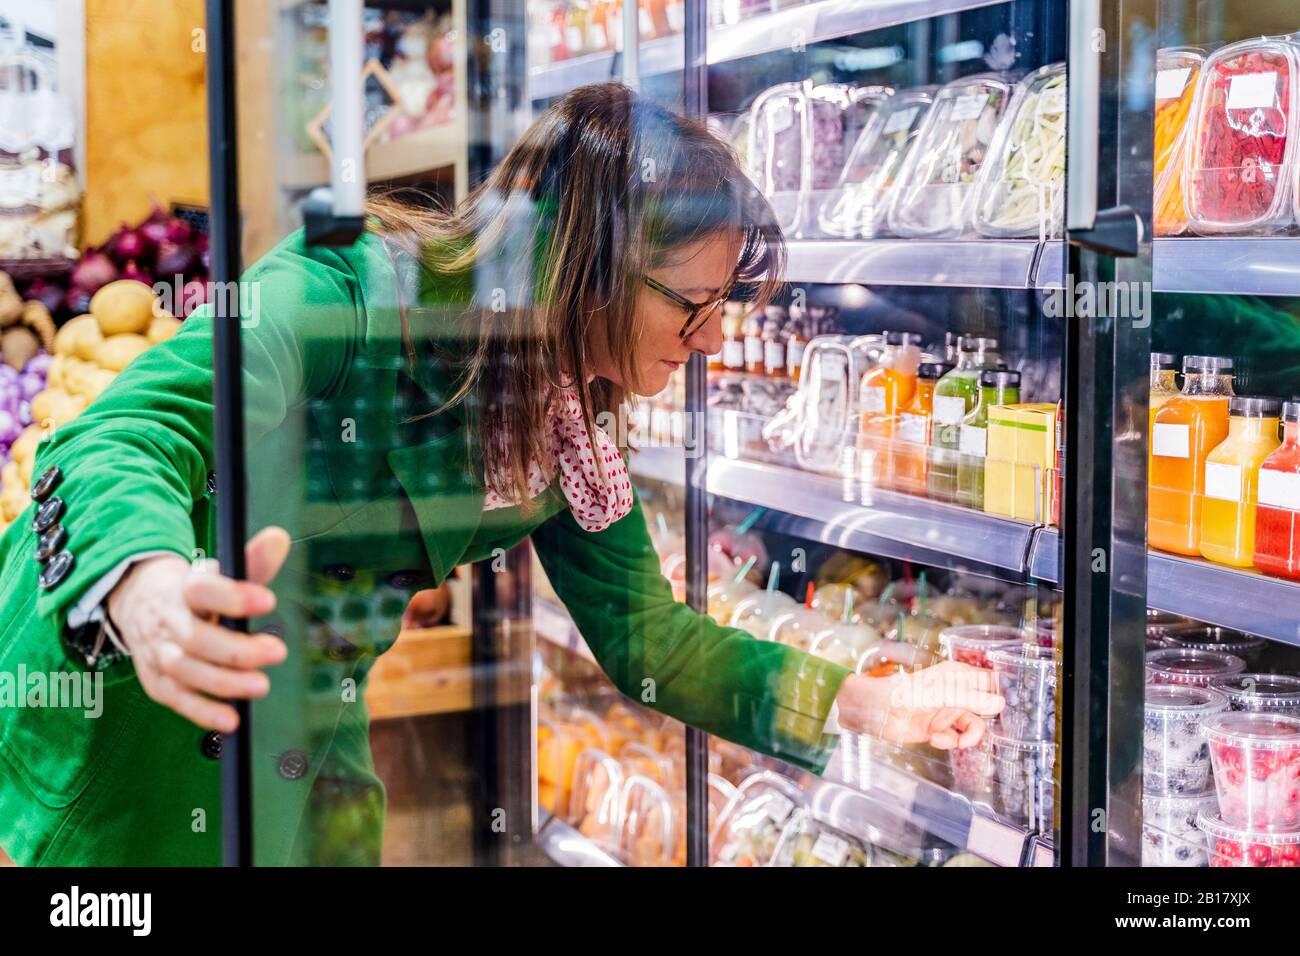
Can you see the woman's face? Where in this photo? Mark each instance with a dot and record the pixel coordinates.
(700, 272)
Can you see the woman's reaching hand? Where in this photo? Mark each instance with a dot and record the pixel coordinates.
(944, 705)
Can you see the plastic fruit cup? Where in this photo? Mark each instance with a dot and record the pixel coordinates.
(725, 595)
(1026, 677)
(1198, 637)
(1237, 846)
(844, 644)
(1022, 774)
(797, 627)
(972, 770)
(1178, 665)
(1256, 768)
(1261, 693)
(1176, 757)
(1169, 834)
(761, 605)
(971, 644)
(890, 657)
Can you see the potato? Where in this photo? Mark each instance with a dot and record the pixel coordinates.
(67, 407)
(162, 328)
(123, 306)
(24, 449)
(9, 475)
(117, 351)
(96, 380)
(25, 472)
(12, 502)
(44, 402)
(17, 345)
(67, 340)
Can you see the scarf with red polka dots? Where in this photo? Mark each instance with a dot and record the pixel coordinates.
(596, 503)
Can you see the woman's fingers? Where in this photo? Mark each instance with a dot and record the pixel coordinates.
(209, 714)
(226, 648)
(195, 674)
(265, 554)
(953, 727)
(216, 594)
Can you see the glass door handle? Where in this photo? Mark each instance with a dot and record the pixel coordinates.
(1087, 41)
(335, 216)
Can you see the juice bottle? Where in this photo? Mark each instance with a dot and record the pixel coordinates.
(733, 346)
(1277, 517)
(883, 392)
(774, 343)
(951, 348)
(751, 331)
(911, 449)
(1232, 481)
(997, 387)
(954, 396)
(1186, 429)
(1164, 382)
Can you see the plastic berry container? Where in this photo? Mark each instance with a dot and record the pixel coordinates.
(972, 770)
(1256, 761)
(1228, 845)
(1261, 693)
(1208, 637)
(1175, 754)
(971, 643)
(1238, 165)
(1179, 665)
(1026, 678)
(1169, 833)
(1024, 787)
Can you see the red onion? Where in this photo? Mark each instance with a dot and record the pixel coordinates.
(129, 244)
(178, 230)
(79, 300)
(133, 271)
(173, 259)
(50, 296)
(153, 232)
(93, 271)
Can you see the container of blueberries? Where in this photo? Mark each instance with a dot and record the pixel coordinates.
(1024, 781)
(1026, 678)
(1176, 755)
(1169, 833)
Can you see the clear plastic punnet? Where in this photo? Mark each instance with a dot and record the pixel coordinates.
(858, 205)
(750, 826)
(779, 131)
(1208, 637)
(1178, 665)
(1027, 678)
(1169, 833)
(1239, 165)
(1175, 756)
(1177, 71)
(806, 842)
(971, 644)
(1256, 759)
(1021, 186)
(1261, 693)
(1231, 846)
(935, 192)
(596, 798)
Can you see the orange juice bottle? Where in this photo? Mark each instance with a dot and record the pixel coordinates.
(910, 455)
(1232, 481)
(1164, 382)
(883, 392)
(1185, 430)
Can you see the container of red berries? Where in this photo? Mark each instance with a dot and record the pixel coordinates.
(1241, 846)
(1239, 168)
(1256, 760)
(971, 643)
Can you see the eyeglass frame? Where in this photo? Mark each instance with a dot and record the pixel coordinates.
(691, 325)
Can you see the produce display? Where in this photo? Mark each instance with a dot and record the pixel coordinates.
(750, 827)
(1177, 71)
(1237, 175)
(1021, 188)
(1175, 754)
(1256, 759)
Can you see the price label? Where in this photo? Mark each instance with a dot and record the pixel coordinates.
(1171, 441)
(833, 368)
(911, 428)
(773, 357)
(830, 849)
(949, 409)
(873, 399)
(968, 107)
(901, 119)
(974, 440)
(1279, 489)
(575, 39)
(1222, 481)
(1170, 83)
(1248, 91)
(780, 117)
(20, 185)
(778, 807)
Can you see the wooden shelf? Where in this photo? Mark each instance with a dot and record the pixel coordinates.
(441, 147)
(427, 671)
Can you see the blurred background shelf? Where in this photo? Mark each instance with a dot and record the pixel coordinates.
(440, 147)
(1246, 265)
(980, 263)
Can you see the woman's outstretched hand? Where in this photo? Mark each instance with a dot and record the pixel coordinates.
(943, 705)
(165, 609)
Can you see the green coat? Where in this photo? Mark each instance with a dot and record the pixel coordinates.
(378, 506)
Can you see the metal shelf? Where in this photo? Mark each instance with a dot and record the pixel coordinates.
(818, 508)
(567, 847)
(1249, 266)
(1241, 600)
(809, 23)
(982, 263)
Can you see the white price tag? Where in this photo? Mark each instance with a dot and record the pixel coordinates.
(830, 849)
(1222, 481)
(1248, 91)
(20, 185)
(901, 119)
(968, 107)
(873, 398)
(949, 409)
(1170, 83)
(1171, 441)
(778, 807)
(780, 117)
(974, 440)
(1279, 489)
(833, 368)
(911, 428)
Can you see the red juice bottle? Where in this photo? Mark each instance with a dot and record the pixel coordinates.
(1277, 515)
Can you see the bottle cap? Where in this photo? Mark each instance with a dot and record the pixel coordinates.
(902, 338)
(1291, 410)
(1163, 360)
(973, 343)
(929, 370)
(1206, 364)
(999, 378)
(1257, 407)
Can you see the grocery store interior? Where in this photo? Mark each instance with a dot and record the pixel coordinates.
(1028, 399)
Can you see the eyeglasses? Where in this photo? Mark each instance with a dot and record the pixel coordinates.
(697, 312)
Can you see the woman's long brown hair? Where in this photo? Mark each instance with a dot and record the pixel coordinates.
(602, 188)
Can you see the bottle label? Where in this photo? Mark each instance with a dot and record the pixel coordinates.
(596, 32)
(911, 428)
(833, 368)
(794, 355)
(646, 24)
(753, 350)
(1222, 481)
(1279, 489)
(974, 439)
(774, 357)
(1171, 441)
(716, 359)
(967, 107)
(733, 354)
(575, 39)
(873, 398)
(949, 409)
(830, 849)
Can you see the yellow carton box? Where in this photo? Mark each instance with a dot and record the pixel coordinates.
(1021, 452)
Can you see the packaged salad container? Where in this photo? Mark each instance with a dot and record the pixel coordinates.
(650, 825)
(935, 189)
(1238, 168)
(779, 131)
(858, 205)
(807, 842)
(595, 799)
(1021, 187)
(1177, 70)
(750, 826)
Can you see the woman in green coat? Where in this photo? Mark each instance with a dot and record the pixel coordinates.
(443, 376)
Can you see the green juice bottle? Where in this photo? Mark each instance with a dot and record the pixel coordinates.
(955, 395)
(997, 387)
